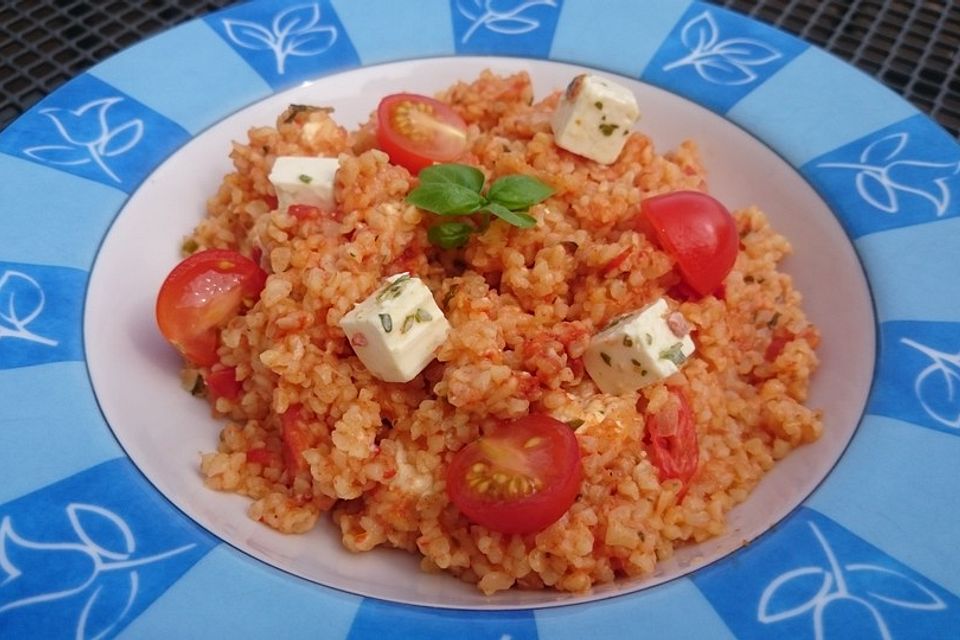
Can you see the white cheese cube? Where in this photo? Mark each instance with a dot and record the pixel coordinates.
(396, 331)
(307, 181)
(594, 118)
(639, 349)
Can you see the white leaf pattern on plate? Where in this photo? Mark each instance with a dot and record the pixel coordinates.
(15, 313)
(948, 366)
(725, 62)
(507, 20)
(878, 181)
(294, 32)
(89, 137)
(834, 586)
(102, 561)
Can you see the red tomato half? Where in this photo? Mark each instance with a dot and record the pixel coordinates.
(416, 131)
(520, 478)
(201, 294)
(671, 439)
(698, 232)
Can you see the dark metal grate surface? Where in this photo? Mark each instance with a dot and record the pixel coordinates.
(911, 45)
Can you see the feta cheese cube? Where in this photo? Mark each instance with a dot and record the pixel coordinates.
(396, 331)
(594, 118)
(639, 349)
(309, 181)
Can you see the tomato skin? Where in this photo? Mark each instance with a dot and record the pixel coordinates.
(416, 131)
(698, 232)
(671, 439)
(295, 440)
(223, 383)
(533, 449)
(201, 294)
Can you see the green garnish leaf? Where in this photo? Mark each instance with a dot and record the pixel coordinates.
(446, 198)
(516, 218)
(461, 174)
(449, 235)
(674, 353)
(518, 192)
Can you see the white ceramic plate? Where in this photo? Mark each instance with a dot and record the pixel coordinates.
(105, 176)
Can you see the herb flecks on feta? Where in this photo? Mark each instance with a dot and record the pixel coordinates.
(307, 181)
(396, 331)
(638, 349)
(594, 118)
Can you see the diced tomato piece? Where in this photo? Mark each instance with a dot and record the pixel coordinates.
(223, 383)
(295, 440)
(671, 438)
(261, 456)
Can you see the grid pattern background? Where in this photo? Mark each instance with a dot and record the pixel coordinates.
(913, 46)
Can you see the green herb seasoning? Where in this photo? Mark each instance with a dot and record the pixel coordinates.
(386, 322)
(189, 246)
(304, 178)
(774, 320)
(674, 354)
(607, 129)
(598, 104)
(648, 338)
(393, 290)
(576, 423)
(199, 387)
(606, 358)
(627, 341)
(408, 322)
(422, 315)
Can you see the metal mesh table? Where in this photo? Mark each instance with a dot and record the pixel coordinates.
(913, 46)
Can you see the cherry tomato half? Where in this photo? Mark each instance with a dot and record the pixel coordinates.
(201, 294)
(698, 232)
(295, 440)
(671, 439)
(519, 478)
(416, 131)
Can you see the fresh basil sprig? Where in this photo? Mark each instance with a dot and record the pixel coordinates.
(457, 190)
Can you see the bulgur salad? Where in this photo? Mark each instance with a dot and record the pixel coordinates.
(501, 333)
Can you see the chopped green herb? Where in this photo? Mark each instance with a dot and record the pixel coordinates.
(636, 363)
(408, 322)
(304, 178)
(674, 354)
(422, 315)
(294, 109)
(774, 320)
(450, 293)
(393, 289)
(598, 104)
(627, 342)
(450, 235)
(189, 246)
(606, 358)
(576, 423)
(386, 322)
(607, 129)
(748, 278)
(648, 338)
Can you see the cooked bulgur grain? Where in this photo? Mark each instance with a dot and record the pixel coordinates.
(522, 304)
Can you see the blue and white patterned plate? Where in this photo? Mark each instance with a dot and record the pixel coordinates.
(95, 541)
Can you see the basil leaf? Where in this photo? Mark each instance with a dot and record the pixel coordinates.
(446, 199)
(448, 235)
(517, 219)
(518, 192)
(461, 174)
